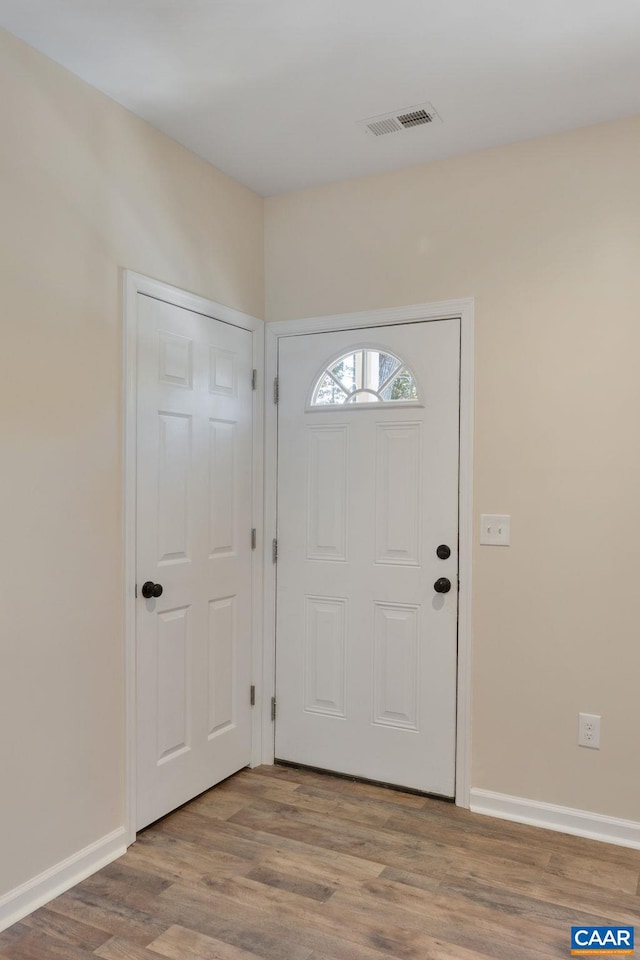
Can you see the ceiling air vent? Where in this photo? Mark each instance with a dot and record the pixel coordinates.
(400, 121)
(415, 118)
(380, 127)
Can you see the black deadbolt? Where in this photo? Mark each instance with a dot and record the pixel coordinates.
(151, 589)
(442, 585)
(443, 551)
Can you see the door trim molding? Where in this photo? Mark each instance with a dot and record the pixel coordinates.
(132, 285)
(443, 310)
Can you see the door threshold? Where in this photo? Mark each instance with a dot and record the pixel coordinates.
(354, 779)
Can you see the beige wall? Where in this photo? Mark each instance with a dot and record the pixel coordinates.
(546, 236)
(85, 188)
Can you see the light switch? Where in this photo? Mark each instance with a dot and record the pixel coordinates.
(495, 529)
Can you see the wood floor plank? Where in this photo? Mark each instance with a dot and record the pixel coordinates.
(173, 859)
(221, 805)
(276, 913)
(500, 898)
(320, 866)
(301, 886)
(613, 905)
(380, 802)
(65, 929)
(507, 873)
(13, 933)
(121, 879)
(381, 845)
(114, 918)
(468, 843)
(180, 943)
(250, 784)
(360, 811)
(430, 881)
(436, 950)
(595, 872)
(37, 946)
(118, 949)
(262, 843)
(229, 920)
(438, 917)
(284, 864)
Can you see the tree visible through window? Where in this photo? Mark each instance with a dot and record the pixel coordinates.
(365, 376)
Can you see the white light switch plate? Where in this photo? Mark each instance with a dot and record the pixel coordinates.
(495, 529)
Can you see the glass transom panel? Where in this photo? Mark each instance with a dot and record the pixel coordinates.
(365, 375)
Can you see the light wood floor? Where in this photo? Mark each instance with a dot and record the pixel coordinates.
(287, 864)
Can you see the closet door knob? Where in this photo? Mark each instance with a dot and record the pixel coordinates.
(151, 589)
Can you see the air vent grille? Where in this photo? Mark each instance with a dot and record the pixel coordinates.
(415, 118)
(380, 127)
(400, 121)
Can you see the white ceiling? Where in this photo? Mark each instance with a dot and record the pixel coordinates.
(270, 91)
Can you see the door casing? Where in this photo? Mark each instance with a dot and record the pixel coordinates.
(464, 310)
(135, 284)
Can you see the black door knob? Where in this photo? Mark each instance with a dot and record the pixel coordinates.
(442, 585)
(443, 551)
(151, 589)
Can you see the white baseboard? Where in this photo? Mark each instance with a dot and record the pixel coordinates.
(580, 823)
(26, 898)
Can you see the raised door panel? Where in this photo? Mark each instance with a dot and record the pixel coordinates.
(327, 493)
(174, 463)
(223, 372)
(222, 485)
(396, 667)
(325, 674)
(175, 360)
(172, 691)
(398, 493)
(222, 659)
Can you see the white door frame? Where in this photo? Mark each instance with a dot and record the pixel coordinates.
(134, 284)
(464, 311)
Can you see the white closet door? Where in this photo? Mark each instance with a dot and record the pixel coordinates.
(194, 467)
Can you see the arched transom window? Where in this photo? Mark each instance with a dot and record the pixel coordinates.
(365, 375)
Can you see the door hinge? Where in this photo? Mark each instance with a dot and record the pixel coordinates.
(276, 389)
(136, 591)
(273, 709)
(254, 379)
(274, 550)
(252, 695)
(254, 538)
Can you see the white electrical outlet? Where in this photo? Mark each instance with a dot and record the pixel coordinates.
(589, 730)
(495, 529)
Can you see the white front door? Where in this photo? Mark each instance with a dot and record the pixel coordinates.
(194, 487)
(367, 538)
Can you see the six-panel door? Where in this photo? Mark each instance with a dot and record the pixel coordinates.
(194, 468)
(368, 426)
